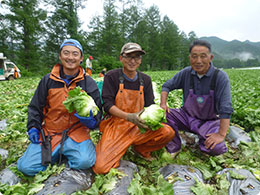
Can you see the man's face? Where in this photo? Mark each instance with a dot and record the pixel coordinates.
(70, 58)
(200, 59)
(131, 61)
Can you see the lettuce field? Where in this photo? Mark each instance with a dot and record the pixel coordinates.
(245, 87)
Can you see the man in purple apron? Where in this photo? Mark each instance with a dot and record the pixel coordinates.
(207, 102)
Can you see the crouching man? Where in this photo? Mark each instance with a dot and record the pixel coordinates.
(48, 119)
(125, 93)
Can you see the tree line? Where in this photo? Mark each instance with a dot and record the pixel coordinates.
(31, 32)
(236, 63)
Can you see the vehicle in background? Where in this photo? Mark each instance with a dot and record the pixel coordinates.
(8, 70)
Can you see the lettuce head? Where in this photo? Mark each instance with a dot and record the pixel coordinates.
(81, 102)
(153, 116)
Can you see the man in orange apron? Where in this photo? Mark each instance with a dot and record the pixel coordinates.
(49, 119)
(125, 93)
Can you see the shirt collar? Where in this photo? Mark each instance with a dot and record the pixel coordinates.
(129, 79)
(64, 76)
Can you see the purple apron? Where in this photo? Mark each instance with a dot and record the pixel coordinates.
(197, 116)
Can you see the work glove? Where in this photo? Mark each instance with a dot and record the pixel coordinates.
(135, 118)
(89, 122)
(34, 135)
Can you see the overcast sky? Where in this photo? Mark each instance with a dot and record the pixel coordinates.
(226, 19)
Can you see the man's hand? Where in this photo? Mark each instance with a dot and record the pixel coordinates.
(165, 107)
(213, 139)
(163, 103)
(34, 135)
(90, 122)
(135, 118)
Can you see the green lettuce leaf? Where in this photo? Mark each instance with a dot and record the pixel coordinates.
(153, 116)
(81, 102)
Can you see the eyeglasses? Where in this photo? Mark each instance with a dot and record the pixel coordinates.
(129, 58)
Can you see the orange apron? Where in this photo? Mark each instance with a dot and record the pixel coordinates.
(89, 71)
(119, 134)
(56, 117)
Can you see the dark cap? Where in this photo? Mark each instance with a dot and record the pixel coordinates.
(131, 47)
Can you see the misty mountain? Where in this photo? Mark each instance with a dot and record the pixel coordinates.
(233, 49)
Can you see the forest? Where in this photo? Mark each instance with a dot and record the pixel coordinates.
(31, 32)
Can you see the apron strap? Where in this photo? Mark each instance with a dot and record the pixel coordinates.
(63, 138)
(191, 81)
(140, 79)
(121, 77)
(46, 148)
(213, 81)
(121, 80)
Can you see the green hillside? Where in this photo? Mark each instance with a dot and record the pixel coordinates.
(234, 49)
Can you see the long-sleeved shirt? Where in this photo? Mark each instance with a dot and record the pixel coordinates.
(223, 101)
(111, 86)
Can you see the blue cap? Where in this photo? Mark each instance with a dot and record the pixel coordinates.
(72, 42)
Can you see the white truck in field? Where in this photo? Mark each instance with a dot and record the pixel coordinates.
(8, 70)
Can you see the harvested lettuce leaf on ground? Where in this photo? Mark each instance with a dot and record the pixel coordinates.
(256, 173)
(81, 102)
(153, 116)
(202, 189)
